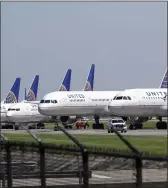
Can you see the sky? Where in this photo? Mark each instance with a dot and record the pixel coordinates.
(126, 42)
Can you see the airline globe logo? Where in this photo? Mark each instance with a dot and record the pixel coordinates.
(11, 98)
(31, 96)
(63, 88)
(88, 87)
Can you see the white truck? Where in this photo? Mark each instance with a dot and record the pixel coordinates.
(117, 124)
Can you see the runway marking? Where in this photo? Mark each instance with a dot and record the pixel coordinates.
(99, 176)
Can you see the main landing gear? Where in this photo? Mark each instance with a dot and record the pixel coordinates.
(97, 124)
(134, 126)
(161, 124)
(57, 121)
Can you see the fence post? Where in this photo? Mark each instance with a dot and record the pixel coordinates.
(9, 168)
(42, 166)
(138, 172)
(84, 155)
(85, 168)
(138, 158)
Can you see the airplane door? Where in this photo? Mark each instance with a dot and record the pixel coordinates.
(27, 112)
(64, 100)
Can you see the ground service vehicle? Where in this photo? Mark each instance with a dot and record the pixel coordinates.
(117, 124)
(82, 123)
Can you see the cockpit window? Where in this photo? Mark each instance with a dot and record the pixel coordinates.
(48, 101)
(53, 101)
(13, 109)
(122, 98)
(119, 98)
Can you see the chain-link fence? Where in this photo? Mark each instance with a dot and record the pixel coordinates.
(24, 164)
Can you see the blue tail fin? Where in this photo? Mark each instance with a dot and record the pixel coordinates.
(164, 81)
(32, 93)
(65, 86)
(90, 80)
(13, 95)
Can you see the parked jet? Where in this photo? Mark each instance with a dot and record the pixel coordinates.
(143, 103)
(11, 98)
(31, 95)
(27, 112)
(32, 114)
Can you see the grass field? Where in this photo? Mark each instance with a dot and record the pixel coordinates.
(151, 144)
(146, 125)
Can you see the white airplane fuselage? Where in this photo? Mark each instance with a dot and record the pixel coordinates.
(73, 103)
(4, 109)
(143, 103)
(26, 112)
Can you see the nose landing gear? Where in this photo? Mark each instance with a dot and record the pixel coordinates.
(97, 124)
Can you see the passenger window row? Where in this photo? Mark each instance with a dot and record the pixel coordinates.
(152, 97)
(77, 100)
(100, 99)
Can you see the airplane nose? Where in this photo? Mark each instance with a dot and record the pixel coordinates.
(3, 117)
(9, 116)
(44, 108)
(116, 107)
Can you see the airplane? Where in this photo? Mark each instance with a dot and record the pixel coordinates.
(27, 111)
(141, 104)
(11, 98)
(103, 97)
(35, 116)
(75, 104)
(31, 95)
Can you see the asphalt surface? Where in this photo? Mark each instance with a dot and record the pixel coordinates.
(101, 177)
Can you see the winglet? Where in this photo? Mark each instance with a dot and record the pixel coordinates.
(65, 86)
(164, 82)
(90, 80)
(13, 94)
(32, 93)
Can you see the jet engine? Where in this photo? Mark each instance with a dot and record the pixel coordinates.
(68, 119)
(138, 119)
